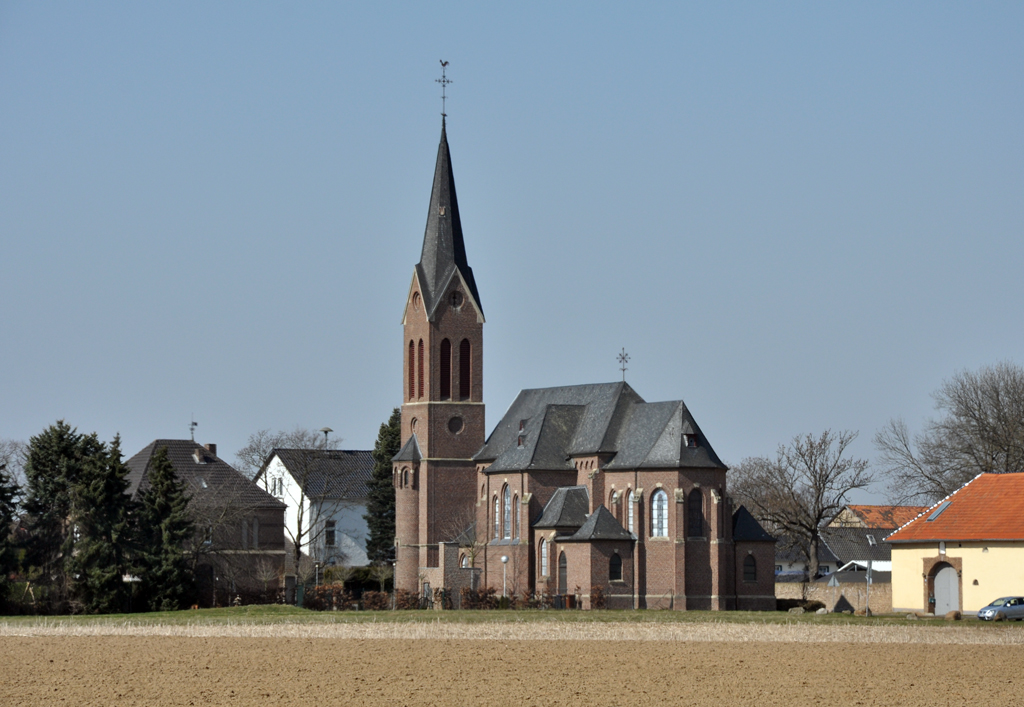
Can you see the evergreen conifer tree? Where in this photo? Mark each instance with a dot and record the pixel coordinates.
(8, 505)
(380, 506)
(100, 518)
(164, 528)
(53, 465)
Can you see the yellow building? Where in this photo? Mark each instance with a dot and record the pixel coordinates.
(964, 551)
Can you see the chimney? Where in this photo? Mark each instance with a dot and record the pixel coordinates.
(211, 448)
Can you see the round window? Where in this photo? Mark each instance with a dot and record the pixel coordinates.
(416, 301)
(455, 425)
(456, 299)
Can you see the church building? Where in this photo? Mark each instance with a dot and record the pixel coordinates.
(583, 493)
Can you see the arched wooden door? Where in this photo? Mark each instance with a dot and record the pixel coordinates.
(947, 591)
(562, 581)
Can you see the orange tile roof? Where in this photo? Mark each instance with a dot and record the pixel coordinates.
(989, 507)
(887, 516)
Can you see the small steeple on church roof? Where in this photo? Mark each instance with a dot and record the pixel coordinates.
(444, 251)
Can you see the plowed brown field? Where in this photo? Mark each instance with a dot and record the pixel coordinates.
(160, 670)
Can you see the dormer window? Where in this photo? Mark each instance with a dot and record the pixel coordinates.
(522, 425)
(690, 441)
(871, 540)
(522, 440)
(199, 457)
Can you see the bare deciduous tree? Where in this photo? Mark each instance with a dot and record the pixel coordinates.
(982, 430)
(12, 458)
(805, 484)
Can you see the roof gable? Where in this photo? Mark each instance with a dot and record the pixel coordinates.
(746, 528)
(600, 525)
(329, 473)
(567, 508)
(988, 507)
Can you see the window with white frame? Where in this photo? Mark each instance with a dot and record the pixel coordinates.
(497, 518)
(629, 512)
(659, 514)
(543, 557)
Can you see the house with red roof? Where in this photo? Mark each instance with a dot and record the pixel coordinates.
(964, 551)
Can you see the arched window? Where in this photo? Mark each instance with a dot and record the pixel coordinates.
(507, 512)
(497, 517)
(749, 569)
(446, 369)
(419, 369)
(659, 514)
(405, 478)
(629, 511)
(412, 370)
(464, 562)
(543, 557)
(563, 570)
(615, 568)
(465, 363)
(516, 530)
(695, 511)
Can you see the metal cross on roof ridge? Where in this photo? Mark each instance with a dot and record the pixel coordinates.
(444, 81)
(623, 359)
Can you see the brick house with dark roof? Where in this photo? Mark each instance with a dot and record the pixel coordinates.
(239, 547)
(576, 487)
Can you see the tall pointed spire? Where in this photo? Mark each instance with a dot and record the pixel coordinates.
(444, 251)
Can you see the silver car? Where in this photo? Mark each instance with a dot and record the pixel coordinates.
(1004, 609)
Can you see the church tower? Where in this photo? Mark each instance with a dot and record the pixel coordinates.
(442, 373)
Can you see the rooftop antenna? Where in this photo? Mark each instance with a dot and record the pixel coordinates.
(444, 81)
(192, 427)
(326, 431)
(623, 359)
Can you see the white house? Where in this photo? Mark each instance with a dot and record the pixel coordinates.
(325, 493)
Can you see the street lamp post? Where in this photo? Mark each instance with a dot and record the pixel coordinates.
(504, 568)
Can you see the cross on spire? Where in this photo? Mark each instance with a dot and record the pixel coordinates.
(444, 81)
(623, 359)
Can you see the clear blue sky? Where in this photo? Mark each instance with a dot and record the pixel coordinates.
(793, 216)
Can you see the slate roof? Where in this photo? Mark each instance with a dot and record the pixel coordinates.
(567, 508)
(600, 525)
(849, 544)
(746, 528)
(410, 451)
(890, 517)
(851, 577)
(210, 481)
(555, 424)
(328, 473)
(785, 551)
(989, 507)
(444, 250)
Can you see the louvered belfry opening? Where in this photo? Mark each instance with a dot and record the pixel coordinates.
(465, 363)
(412, 370)
(419, 366)
(446, 370)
